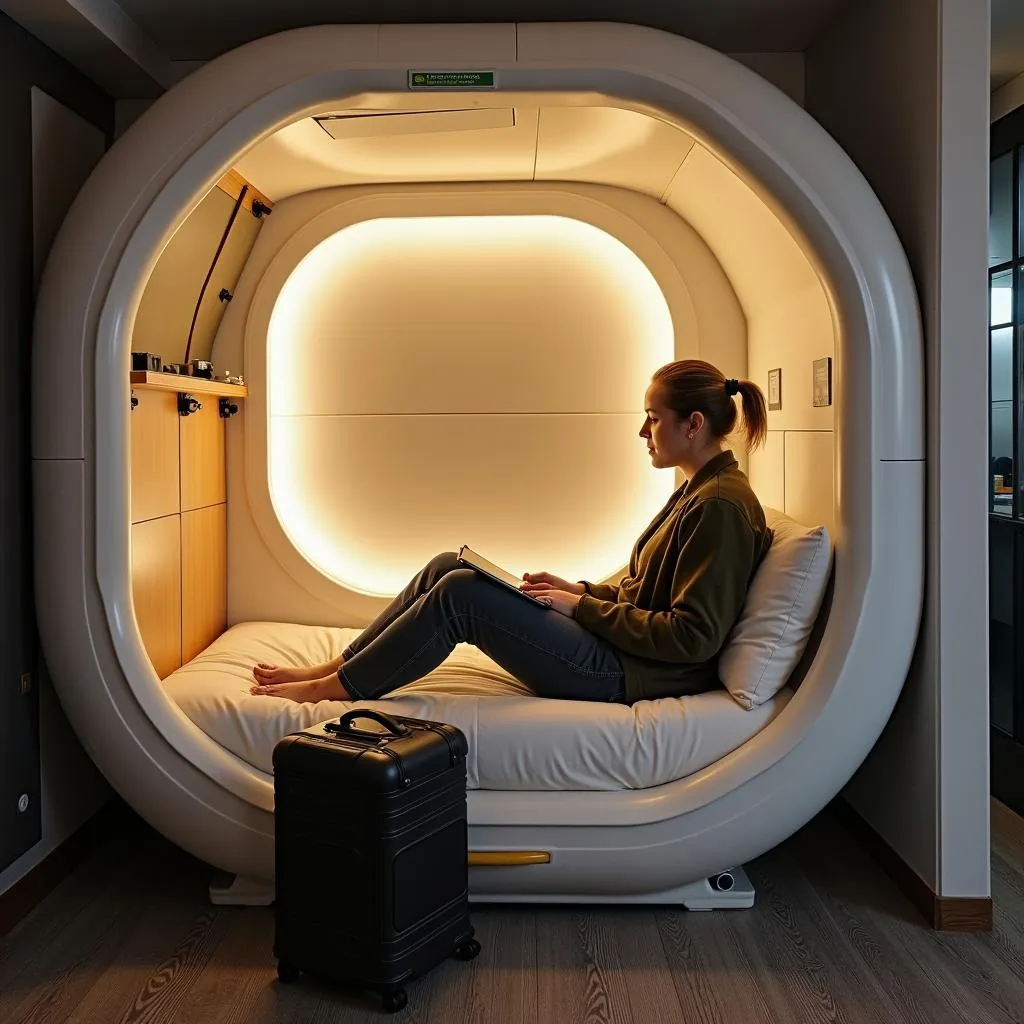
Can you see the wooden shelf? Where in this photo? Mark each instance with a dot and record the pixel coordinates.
(180, 382)
(232, 183)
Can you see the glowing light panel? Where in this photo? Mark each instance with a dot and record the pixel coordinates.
(434, 381)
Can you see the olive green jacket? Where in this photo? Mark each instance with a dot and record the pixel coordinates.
(687, 581)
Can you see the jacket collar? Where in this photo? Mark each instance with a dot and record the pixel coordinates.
(711, 468)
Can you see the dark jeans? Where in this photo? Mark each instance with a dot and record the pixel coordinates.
(444, 605)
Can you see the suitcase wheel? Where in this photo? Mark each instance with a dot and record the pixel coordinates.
(287, 971)
(394, 1000)
(468, 950)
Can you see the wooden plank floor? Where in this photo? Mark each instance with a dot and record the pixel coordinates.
(130, 938)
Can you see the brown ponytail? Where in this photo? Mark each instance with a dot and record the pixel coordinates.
(693, 385)
(755, 414)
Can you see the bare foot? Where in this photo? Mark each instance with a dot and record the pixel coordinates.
(268, 675)
(307, 692)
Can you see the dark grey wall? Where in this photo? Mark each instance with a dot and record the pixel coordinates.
(24, 62)
(904, 88)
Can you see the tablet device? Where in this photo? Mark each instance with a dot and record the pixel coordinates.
(469, 558)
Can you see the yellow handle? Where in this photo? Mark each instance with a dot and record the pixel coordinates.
(507, 858)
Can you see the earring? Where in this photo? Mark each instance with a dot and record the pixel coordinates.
(690, 436)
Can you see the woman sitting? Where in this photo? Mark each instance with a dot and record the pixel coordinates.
(657, 633)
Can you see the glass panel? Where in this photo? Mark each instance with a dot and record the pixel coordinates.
(1002, 364)
(1000, 210)
(1001, 596)
(1002, 458)
(1001, 298)
(1001, 420)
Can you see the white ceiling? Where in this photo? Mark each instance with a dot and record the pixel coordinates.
(201, 29)
(590, 145)
(138, 48)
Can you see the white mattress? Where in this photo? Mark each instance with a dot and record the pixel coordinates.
(516, 741)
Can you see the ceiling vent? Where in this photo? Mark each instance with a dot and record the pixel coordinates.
(369, 124)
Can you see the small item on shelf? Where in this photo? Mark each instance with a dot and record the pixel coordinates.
(147, 361)
(201, 368)
(228, 379)
(179, 368)
(188, 404)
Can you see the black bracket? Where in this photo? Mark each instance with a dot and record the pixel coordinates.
(135, 400)
(188, 404)
(260, 209)
(228, 408)
(224, 295)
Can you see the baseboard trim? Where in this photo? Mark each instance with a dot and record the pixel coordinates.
(28, 892)
(943, 913)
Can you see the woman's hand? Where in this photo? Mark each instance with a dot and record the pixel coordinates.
(557, 600)
(536, 581)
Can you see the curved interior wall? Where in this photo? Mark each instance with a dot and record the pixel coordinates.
(593, 141)
(638, 163)
(463, 377)
(452, 453)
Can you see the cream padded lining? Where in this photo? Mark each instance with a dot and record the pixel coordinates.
(517, 741)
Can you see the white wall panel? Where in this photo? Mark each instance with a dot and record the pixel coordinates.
(760, 256)
(369, 499)
(766, 471)
(252, 570)
(790, 333)
(467, 314)
(810, 477)
(609, 146)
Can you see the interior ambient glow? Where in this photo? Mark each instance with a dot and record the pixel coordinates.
(434, 381)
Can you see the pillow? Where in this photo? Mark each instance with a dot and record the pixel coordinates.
(782, 603)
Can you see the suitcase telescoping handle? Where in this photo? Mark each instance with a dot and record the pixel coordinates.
(344, 725)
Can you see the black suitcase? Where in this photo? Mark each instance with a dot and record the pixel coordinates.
(379, 819)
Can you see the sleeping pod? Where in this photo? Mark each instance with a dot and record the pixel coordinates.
(463, 252)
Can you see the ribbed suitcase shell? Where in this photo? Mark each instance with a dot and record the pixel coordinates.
(371, 853)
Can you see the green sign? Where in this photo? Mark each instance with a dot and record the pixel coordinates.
(451, 79)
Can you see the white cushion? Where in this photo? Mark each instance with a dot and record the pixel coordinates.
(783, 601)
(516, 740)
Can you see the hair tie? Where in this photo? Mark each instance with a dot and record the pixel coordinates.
(732, 386)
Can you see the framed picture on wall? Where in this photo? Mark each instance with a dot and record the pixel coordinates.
(822, 382)
(775, 389)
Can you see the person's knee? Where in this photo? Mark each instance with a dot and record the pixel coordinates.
(457, 582)
(453, 600)
(444, 563)
(462, 590)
